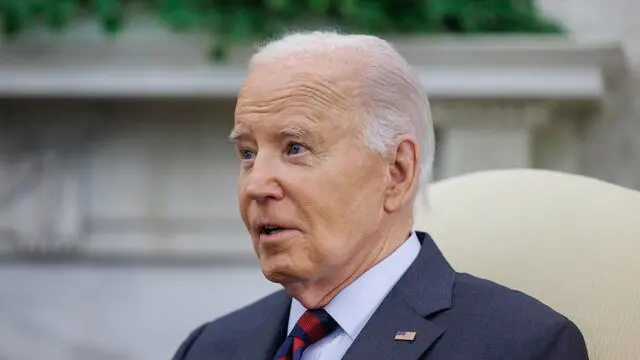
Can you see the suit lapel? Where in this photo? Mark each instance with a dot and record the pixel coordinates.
(424, 289)
(376, 340)
(271, 337)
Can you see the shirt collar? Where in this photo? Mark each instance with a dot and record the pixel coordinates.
(353, 306)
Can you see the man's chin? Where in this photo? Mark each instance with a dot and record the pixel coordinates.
(284, 275)
(280, 276)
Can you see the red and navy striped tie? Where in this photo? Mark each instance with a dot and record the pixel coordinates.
(311, 327)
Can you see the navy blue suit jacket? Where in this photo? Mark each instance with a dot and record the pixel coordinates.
(456, 317)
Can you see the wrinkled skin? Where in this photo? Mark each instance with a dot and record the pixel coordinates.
(305, 167)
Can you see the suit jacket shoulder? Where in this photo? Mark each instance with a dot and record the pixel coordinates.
(491, 321)
(260, 325)
(456, 316)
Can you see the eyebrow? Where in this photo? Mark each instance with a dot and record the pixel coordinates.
(294, 131)
(237, 134)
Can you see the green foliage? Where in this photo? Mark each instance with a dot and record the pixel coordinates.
(235, 22)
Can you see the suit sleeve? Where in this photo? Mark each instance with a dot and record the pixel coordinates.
(183, 350)
(567, 343)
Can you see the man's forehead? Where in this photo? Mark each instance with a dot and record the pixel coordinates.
(291, 122)
(300, 95)
(317, 67)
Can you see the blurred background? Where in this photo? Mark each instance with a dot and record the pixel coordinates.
(119, 231)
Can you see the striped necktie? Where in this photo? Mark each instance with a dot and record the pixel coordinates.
(312, 326)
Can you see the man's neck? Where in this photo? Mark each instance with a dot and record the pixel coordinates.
(319, 294)
(355, 304)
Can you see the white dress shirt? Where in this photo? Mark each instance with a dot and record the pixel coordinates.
(354, 305)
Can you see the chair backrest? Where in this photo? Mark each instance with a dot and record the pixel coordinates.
(570, 241)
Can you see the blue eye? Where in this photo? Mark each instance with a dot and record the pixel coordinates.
(295, 149)
(246, 154)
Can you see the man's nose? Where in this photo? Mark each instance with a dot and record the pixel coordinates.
(263, 182)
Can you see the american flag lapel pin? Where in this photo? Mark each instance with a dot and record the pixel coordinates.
(405, 336)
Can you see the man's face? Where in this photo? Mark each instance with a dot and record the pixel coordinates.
(310, 192)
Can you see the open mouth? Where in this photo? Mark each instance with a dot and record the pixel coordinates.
(270, 230)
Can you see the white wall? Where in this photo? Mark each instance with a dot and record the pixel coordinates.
(142, 175)
(111, 312)
(613, 146)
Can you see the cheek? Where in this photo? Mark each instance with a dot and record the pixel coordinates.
(335, 216)
(356, 205)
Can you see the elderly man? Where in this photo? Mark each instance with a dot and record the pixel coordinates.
(334, 138)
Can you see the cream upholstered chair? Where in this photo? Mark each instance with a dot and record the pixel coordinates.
(570, 241)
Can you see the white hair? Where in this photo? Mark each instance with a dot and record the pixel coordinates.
(393, 100)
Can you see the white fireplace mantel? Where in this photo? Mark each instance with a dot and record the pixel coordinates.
(449, 68)
(490, 96)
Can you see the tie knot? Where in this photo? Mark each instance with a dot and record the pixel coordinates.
(313, 325)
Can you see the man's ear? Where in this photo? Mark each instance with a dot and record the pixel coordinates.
(403, 168)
